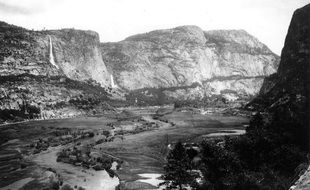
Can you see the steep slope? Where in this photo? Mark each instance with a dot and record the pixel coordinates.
(285, 94)
(78, 55)
(28, 96)
(46, 74)
(274, 151)
(291, 82)
(75, 53)
(188, 63)
(19, 53)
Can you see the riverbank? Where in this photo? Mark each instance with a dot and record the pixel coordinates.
(145, 152)
(140, 140)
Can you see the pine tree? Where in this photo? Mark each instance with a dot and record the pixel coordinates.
(178, 169)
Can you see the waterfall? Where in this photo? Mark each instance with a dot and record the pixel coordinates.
(113, 85)
(52, 61)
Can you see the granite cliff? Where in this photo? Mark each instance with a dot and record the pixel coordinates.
(52, 70)
(47, 74)
(75, 53)
(188, 63)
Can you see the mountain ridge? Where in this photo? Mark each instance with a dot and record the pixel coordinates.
(183, 63)
(185, 55)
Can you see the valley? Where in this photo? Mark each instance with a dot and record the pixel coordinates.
(184, 106)
(140, 140)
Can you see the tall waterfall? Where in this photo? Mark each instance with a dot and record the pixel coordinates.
(113, 85)
(52, 61)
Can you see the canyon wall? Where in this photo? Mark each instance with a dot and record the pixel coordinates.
(284, 96)
(76, 53)
(47, 74)
(50, 70)
(189, 63)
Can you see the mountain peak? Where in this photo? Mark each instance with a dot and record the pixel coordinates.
(175, 35)
(183, 57)
(237, 38)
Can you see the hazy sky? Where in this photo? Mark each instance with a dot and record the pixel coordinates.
(114, 20)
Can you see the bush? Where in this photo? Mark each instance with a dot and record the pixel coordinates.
(91, 134)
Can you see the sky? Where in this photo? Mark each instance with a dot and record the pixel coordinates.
(114, 20)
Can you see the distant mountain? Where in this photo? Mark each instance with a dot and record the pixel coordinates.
(187, 63)
(58, 73)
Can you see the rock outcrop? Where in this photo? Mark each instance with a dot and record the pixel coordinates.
(50, 74)
(285, 94)
(28, 96)
(189, 63)
(53, 71)
(19, 52)
(76, 53)
(291, 82)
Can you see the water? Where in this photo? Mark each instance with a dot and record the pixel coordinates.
(52, 60)
(113, 85)
(152, 178)
(74, 175)
(227, 133)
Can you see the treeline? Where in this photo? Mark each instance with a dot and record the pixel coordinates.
(26, 112)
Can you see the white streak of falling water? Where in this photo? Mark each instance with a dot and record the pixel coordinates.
(52, 61)
(113, 85)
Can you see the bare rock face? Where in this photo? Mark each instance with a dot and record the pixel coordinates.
(188, 63)
(76, 54)
(19, 53)
(50, 74)
(184, 63)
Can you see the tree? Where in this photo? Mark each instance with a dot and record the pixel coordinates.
(219, 166)
(177, 171)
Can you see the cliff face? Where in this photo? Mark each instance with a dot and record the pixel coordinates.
(188, 63)
(75, 53)
(291, 82)
(184, 63)
(285, 94)
(46, 74)
(19, 52)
